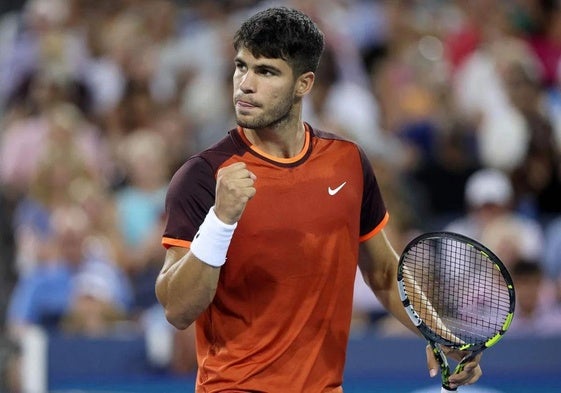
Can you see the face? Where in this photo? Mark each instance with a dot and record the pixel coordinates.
(264, 91)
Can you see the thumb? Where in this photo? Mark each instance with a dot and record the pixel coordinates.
(431, 362)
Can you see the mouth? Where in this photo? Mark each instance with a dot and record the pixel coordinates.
(245, 104)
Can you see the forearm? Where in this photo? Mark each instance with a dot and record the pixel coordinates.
(392, 303)
(378, 264)
(186, 288)
(187, 283)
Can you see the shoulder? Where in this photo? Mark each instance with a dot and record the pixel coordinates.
(222, 150)
(338, 141)
(330, 136)
(210, 159)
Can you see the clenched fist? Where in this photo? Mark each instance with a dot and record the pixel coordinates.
(234, 188)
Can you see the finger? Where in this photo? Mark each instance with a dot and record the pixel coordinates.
(234, 172)
(455, 354)
(469, 375)
(432, 364)
(235, 181)
(234, 167)
(246, 182)
(246, 174)
(465, 379)
(236, 175)
(234, 187)
(237, 167)
(245, 188)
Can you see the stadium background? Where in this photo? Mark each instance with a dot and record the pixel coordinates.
(100, 100)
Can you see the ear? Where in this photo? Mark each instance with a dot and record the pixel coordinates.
(304, 84)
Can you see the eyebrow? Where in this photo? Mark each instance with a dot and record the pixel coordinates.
(267, 67)
(258, 66)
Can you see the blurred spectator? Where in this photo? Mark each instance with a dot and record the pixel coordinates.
(490, 218)
(484, 44)
(10, 353)
(537, 178)
(440, 179)
(344, 106)
(105, 240)
(204, 80)
(545, 38)
(553, 108)
(139, 208)
(60, 164)
(178, 133)
(534, 315)
(60, 129)
(95, 308)
(41, 45)
(135, 110)
(43, 296)
(404, 79)
(552, 255)
(502, 134)
(8, 274)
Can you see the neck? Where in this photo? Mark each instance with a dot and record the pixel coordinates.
(282, 140)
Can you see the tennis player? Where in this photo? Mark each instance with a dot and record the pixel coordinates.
(263, 230)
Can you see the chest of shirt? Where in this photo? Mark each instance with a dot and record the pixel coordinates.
(316, 196)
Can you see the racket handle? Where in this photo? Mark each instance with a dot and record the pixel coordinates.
(444, 390)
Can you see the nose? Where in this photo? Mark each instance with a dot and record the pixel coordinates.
(247, 83)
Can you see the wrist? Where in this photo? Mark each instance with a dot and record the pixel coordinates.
(212, 240)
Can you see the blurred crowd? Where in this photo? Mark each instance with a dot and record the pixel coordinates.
(457, 103)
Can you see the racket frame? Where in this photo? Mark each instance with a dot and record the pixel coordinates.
(435, 340)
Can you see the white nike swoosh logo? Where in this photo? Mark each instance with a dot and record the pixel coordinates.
(333, 191)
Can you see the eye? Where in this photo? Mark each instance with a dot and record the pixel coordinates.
(265, 71)
(240, 66)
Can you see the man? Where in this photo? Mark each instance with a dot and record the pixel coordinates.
(263, 230)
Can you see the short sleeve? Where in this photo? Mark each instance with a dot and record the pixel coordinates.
(373, 216)
(189, 197)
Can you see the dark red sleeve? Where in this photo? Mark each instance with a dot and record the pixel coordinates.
(373, 213)
(189, 198)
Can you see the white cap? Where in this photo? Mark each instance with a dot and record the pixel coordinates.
(96, 280)
(94, 285)
(488, 186)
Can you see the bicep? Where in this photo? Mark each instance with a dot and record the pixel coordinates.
(378, 262)
(173, 256)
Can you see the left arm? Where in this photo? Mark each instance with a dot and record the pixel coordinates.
(379, 271)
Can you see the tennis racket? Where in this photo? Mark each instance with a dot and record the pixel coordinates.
(458, 294)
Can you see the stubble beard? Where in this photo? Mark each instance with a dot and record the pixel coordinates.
(282, 113)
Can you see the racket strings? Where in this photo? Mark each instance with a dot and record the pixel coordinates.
(457, 290)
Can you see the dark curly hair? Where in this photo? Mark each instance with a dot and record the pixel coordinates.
(282, 33)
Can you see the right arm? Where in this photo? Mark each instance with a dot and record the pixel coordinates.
(187, 284)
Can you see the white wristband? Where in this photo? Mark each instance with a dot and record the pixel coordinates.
(212, 240)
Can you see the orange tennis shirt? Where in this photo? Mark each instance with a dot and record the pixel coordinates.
(281, 315)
